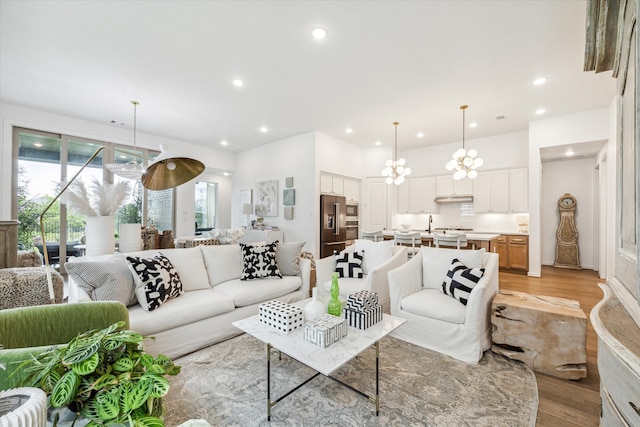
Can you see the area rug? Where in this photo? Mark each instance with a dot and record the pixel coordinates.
(226, 385)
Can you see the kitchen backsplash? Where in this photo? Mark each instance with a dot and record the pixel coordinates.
(461, 215)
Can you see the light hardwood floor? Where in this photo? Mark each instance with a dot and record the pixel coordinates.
(566, 402)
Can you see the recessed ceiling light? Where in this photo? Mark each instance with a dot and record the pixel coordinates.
(348, 130)
(264, 129)
(38, 144)
(223, 142)
(420, 135)
(226, 173)
(319, 33)
(539, 81)
(378, 143)
(540, 111)
(569, 152)
(122, 156)
(238, 83)
(473, 125)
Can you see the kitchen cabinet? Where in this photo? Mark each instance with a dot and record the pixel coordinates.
(352, 190)
(491, 191)
(513, 251)
(403, 197)
(331, 184)
(446, 186)
(416, 195)
(518, 190)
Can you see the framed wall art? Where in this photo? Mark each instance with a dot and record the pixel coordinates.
(288, 212)
(266, 198)
(289, 197)
(288, 182)
(246, 197)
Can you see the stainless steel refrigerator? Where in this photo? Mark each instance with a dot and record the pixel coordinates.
(333, 224)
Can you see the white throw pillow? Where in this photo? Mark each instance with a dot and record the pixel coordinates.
(287, 256)
(223, 262)
(375, 253)
(436, 263)
(106, 280)
(190, 266)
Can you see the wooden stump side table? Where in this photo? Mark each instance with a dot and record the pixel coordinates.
(548, 334)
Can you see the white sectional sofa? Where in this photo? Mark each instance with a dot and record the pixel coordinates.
(214, 295)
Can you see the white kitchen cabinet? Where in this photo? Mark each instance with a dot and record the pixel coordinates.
(331, 184)
(446, 186)
(518, 190)
(403, 197)
(491, 191)
(352, 190)
(422, 191)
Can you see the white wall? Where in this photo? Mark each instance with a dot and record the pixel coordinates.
(581, 127)
(336, 156)
(289, 157)
(577, 178)
(11, 115)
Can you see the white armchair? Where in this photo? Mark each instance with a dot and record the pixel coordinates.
(438, 321)
(375, 278)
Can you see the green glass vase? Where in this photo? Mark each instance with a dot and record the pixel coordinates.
(335, 306)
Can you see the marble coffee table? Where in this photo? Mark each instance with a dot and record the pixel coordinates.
(326, 360)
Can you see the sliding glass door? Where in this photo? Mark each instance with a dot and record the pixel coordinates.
(46, 161)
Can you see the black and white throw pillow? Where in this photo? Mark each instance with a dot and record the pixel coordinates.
(461, 280)
(349, 264)
(259, 261)
(157, 281)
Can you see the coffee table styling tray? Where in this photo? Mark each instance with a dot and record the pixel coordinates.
(363, 310)
(325, 329)
(280, 316)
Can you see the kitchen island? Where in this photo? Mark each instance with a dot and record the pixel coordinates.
(488, 241)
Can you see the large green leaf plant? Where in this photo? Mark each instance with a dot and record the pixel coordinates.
(106, 376)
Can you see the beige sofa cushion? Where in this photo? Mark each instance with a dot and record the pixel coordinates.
(222, 262)
(183, 310)
(190, 266)
(248, 292)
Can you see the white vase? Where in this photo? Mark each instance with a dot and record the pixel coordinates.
(130, 238)
(314, 308)
(100, 235)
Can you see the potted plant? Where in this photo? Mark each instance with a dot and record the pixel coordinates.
(105, 377)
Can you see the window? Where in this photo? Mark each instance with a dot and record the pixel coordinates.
(206, 205)
(45, 160)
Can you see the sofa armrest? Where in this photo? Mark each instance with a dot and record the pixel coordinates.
(478, 314)
(378, 280)
(305, 274)
(404, 281)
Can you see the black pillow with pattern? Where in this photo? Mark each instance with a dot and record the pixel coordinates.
(461, 280)
(157, 281)
(349, 264)
(259, 261)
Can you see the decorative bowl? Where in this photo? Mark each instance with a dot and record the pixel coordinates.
(405, 226)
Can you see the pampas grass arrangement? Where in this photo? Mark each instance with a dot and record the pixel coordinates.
(100, 199)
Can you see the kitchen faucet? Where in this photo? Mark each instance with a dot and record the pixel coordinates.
(430, 221)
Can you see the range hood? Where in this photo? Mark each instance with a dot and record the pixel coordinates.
(454, 198)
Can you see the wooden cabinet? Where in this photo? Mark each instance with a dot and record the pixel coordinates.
(618, 361)
(513, 252)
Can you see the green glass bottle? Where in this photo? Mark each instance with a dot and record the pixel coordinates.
(335, 306)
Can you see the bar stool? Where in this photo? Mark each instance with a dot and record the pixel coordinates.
(457, 240)
(376, 236)
(412, 240)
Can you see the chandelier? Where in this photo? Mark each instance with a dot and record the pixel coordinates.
(464, 162)
(395, 171)
(132, 169)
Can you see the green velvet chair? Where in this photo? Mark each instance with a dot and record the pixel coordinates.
(30, 330)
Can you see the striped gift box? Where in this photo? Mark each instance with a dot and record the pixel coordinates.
(362, 300)
(325, 329)
(363, 319)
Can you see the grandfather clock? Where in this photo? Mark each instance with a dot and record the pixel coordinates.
(567, 253)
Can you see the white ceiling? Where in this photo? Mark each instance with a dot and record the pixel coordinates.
(414, 62)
